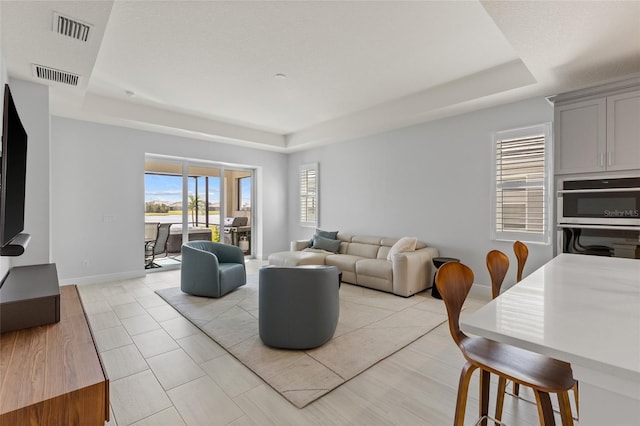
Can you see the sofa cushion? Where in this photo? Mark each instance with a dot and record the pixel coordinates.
(388, 241)
(383, 251)
(295, 258)
(374, 267)
(346, 238)
(344, 247)
(326, 244)
(366, 240)
(402, 245)
(375, 273)
(344, 262)
(369, 251)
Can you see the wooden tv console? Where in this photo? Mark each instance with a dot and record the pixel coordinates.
(52, 374)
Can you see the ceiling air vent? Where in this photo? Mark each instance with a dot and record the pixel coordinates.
(71, 27)
(53, 74)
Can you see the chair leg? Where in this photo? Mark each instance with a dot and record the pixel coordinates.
(502, 386)
(565, 409)
(545, 410)
(463, 390)
(577, 398)
(516, 389)
(485, 381)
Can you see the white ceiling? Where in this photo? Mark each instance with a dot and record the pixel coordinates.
(207, 69)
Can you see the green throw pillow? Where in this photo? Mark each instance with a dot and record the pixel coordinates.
(332, 235)
(326, 244)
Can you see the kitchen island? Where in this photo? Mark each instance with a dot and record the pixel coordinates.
(584, 310)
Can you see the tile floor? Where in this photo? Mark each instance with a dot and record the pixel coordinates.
(165, 371)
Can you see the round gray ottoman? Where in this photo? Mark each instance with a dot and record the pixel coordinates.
(298, 306)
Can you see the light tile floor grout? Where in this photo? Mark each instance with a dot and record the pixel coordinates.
(146, 344)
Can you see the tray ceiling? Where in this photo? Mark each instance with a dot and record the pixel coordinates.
(290, 75)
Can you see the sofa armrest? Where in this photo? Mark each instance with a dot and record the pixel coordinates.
(298, 245)
(413, 271)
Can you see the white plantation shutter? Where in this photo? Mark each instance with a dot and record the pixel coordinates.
(308, 183)
(521, 184)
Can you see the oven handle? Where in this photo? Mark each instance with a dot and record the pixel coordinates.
(586, 226)
(586, 191)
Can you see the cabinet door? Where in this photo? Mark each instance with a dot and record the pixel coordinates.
(623, 131)
(580, 136)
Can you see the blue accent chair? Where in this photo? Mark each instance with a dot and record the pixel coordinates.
(211, 269)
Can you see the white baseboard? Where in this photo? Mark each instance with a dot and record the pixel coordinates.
(105, 278)
(481, 290)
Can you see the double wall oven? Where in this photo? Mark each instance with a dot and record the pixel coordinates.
(599, 216)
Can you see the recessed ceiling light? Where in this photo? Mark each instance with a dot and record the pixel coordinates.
(280, 76)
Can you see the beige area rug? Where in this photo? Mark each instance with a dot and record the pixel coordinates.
(372, 326)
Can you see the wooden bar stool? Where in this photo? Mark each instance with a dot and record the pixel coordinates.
(497, 264)
(522, 252)
(542, 374)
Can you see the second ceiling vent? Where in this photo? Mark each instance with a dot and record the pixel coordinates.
(71, 27)
(52, 74)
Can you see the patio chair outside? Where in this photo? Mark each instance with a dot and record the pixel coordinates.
(159, 246)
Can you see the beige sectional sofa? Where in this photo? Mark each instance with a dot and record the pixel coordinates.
(363, 261)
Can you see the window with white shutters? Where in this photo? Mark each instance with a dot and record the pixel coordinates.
(521, 191)
(308, 182)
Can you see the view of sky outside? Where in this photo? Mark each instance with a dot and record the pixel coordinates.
(168, 189)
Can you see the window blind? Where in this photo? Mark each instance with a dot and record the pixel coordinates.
(308, 195)
(520, 185)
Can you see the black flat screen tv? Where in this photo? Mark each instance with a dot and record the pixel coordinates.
(13, 171)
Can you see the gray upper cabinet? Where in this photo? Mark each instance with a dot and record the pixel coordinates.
(623, 131)
(580, 136)
(595, 133)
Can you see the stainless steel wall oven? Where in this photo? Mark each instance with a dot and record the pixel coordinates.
(600, 201)
(599, 216)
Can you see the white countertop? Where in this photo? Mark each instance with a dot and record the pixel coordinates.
(581, 309)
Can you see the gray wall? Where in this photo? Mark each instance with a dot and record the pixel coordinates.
(432, 181)
(97, 195)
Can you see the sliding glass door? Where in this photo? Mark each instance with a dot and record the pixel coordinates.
(201, 200)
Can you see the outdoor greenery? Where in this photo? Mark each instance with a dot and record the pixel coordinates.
(195, 204)
(155, 207)
(215, 234)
